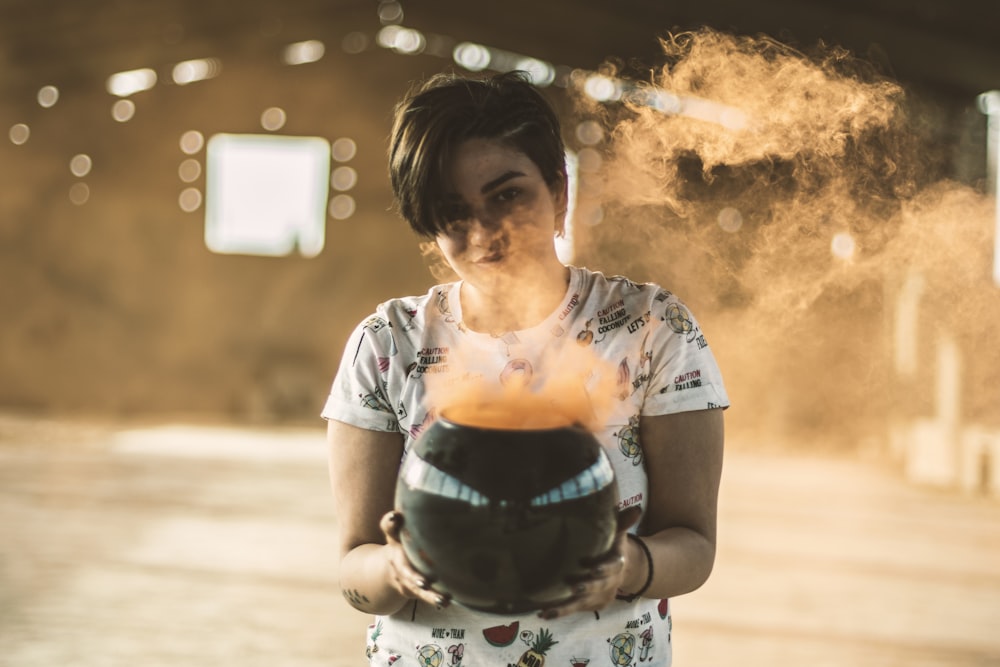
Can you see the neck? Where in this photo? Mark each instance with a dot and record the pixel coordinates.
(519, 303)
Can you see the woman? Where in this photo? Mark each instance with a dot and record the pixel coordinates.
(478, 167)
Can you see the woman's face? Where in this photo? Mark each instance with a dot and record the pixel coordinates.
(501, 215)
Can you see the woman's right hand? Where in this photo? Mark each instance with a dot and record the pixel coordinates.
(402, 575)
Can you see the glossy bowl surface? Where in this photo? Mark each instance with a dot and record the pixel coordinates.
(502, 517)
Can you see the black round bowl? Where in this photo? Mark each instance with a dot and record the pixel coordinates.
(501, 518)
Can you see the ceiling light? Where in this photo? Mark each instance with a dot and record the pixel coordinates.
(301, 53)
(200, 69)
(130, 82)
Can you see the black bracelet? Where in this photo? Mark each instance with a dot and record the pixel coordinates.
(649, 572)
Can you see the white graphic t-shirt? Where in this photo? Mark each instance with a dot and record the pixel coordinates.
(655, 360)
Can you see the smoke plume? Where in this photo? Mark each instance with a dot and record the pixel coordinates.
(786, 196)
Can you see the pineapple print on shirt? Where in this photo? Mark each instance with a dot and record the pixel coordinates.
(539, 645)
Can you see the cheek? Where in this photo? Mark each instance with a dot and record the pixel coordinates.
(450, 247)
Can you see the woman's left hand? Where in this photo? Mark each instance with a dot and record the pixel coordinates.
(598, 587)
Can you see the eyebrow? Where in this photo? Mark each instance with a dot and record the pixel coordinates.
(500, 180)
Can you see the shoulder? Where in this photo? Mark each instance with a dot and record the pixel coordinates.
(405, 313)
(614, 288)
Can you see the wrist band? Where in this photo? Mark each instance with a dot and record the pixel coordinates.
(649, 572)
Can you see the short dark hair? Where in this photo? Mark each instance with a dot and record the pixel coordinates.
(447, 109)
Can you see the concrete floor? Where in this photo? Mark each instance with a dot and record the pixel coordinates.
(186, 545)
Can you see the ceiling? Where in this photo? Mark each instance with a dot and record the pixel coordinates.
(950, 48)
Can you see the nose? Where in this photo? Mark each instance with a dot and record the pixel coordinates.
(482, 231)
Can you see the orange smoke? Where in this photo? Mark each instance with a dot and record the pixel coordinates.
(783, 195)
(573, 387)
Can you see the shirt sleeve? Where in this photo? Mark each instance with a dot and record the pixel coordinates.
(359, 393)
(684, 374)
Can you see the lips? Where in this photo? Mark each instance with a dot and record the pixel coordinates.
(495, 252)
(492, 258)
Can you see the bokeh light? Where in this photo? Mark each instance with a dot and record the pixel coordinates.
(342, 207)
(273, 119)
(199, 69)
(344, 178)
(123, 84)
(80, 165)
(79, 193)
(192, 141)
(189, 170)
(730, 219)
(602, 88)
(542, 73)
(473, 57)
(48, 96)
(401, 40)
(189, 200)
(301, 53)
(19, 133)
(654, 98)
(390, 12)
(344, 149)
(843, 245)
(123, 110)
(589, 132)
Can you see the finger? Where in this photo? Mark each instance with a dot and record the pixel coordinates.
(607, 566)
(415, 584)
(406, 573)
(407, 579)
(391, 524)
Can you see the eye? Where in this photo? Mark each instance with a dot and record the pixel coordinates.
(508, 194)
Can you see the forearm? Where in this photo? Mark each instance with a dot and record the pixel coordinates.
(682, 561)
(365, 580)
(683, 456)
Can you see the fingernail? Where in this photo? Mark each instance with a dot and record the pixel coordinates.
(442, 601)
(547, 614)
(421, 583)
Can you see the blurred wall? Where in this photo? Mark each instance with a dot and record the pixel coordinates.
(116, 306)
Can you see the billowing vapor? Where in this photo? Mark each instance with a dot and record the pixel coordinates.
(786, 197)
(572, 386)
(741, 101)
